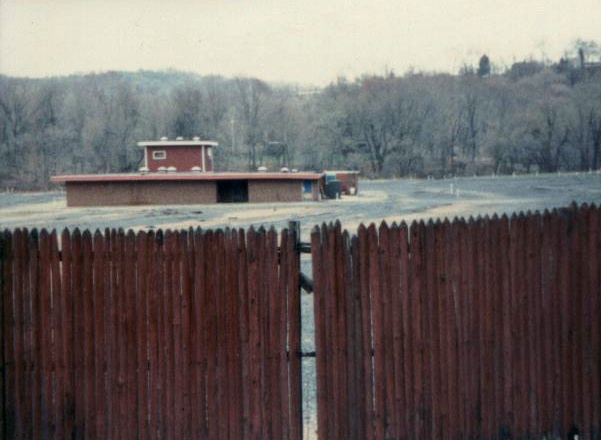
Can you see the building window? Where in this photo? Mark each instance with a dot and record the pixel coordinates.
(159, 155)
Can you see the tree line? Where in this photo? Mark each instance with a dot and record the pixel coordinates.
(532, 116)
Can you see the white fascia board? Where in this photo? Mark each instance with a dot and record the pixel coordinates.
(176, 143)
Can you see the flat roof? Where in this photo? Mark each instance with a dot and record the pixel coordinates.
(177, 143)
(182, 177)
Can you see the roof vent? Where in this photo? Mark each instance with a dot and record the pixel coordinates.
(171, 169)
(262, 169)
(143, 170)
(164, 138)
(195, 138)
(162, 169)
(284, 170)
(196, 169)
(179, 138)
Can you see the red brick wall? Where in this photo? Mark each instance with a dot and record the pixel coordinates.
(275, 191)
(140, 193)
(181, 157)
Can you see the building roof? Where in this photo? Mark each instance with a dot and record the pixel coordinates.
(177, 143)
(182, 177)
(342, 171)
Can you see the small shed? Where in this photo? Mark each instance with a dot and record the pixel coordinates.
(179, 154)
(349, 180)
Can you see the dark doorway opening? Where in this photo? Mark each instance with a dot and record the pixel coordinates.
(232, 191)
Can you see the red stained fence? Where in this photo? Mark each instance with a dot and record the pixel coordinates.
(177, 336)
(479, 329)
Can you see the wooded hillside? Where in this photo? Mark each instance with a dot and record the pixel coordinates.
(532, 116)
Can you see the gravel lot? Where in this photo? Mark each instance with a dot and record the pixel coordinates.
(393, 200)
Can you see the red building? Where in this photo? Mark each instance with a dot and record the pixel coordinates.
(181, 154)
(181, 172)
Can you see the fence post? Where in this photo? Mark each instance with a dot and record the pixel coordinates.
(295, 334)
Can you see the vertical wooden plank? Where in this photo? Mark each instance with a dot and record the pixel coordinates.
(537, 354)
(57, 341)
(212, 322)
(294, 335)
(432, 249)
(585, 321)
(98, 295)
(565, 325)
(593, 252)
(341, 349)
(594, 262)
(169, 298)
(358, 425)
(548, 282)
(529, 327)
(354, 360)
(320, 332)
(465, 267)
(329, 324)
(442, 298)
(505, 416)
(198, 344)
(21, 409)
(77, 352)
(514, 253)
(397, 403)
(254, 340)
(390, 425)
(32, 342)
(244, 330)
(451, 255)
(88, 335)
(406, 316)
(273, 334)
(417, 239)
(176, 332)
(399, 249)
(66, 304)
(9, 324)
(575, 316)
(43, 324)
(187, 269)
(378, 337)
(141, 348)
(366, 328)
(473, 265)
(231, 326)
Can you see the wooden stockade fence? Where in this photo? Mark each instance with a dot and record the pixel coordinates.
(479, 329)
(182, 335)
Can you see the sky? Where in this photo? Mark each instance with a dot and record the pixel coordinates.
(303, 42)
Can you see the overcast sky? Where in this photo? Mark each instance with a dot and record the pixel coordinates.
(307, 42)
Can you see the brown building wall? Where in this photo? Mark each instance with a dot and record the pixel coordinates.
(140, 193)
(182, 158)
(275, 191)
